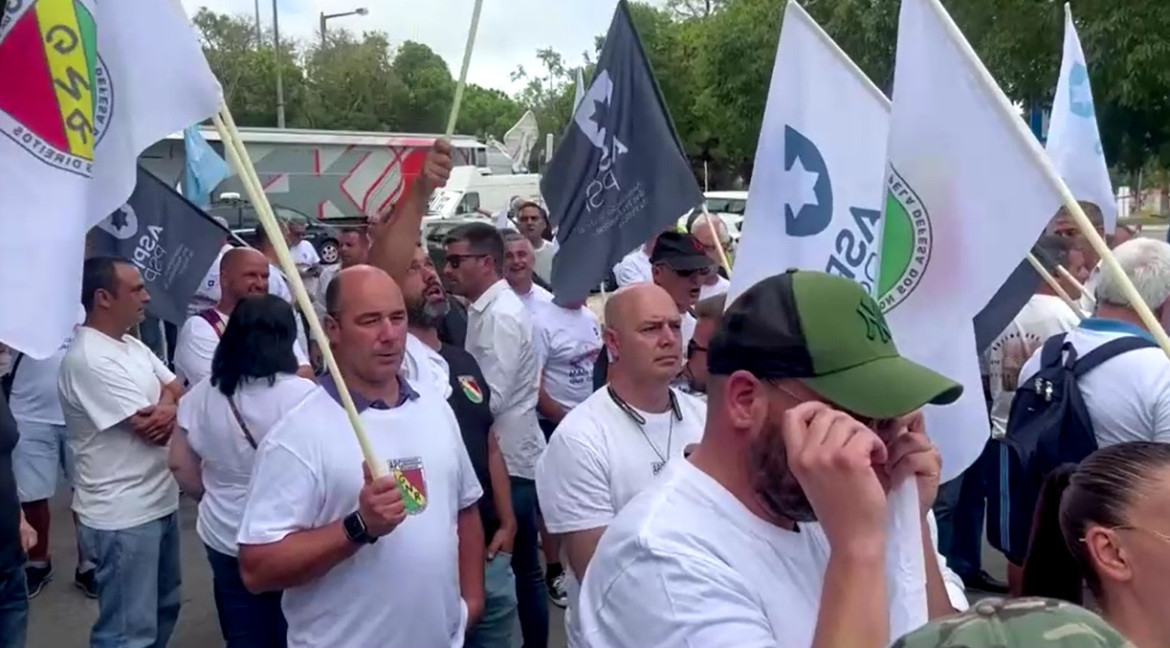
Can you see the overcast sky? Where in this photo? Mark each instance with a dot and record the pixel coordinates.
(510, 31)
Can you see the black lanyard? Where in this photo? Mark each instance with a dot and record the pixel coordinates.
(639, 421)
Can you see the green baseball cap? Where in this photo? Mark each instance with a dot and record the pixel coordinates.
(1017, 623)
(826, 331)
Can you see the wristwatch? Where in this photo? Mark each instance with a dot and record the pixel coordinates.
(355, 529)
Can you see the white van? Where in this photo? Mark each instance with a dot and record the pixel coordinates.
(469, 190)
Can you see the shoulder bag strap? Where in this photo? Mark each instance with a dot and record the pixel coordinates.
(240, 420)
(211, 316)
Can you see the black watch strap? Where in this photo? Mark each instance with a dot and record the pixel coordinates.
(355, 529)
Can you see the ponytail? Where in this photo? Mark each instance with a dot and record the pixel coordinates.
(1051, 570)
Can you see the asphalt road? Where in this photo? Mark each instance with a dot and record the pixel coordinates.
(61, 616)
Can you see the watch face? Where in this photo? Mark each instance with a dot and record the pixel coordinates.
(355, 529)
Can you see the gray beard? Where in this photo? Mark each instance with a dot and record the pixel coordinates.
(423, 314)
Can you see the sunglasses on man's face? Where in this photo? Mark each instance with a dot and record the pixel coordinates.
(455, 260)
(686, 274)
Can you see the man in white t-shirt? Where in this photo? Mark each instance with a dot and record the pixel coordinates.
(119, 402)
(1128, 396)
(208, 291)
(635, 266)
(41, 454)
(680, 267)
(243, 272)
(373, 561)
(278, 283)
(353, 247)
(773, 533)
(532, 222)
(713, 283)
(518, 270)
(501, 338)
(615, 443)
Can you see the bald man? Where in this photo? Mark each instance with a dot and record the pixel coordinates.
(615, 443)
(331, 539)
(242, 272)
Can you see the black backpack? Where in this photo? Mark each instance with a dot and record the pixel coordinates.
(1048, 426)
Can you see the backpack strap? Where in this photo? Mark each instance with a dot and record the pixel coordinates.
(9, 378)
(1109, 350)
(1052, 351)
(211, 316)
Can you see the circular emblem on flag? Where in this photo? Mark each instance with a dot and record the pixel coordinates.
(471, 389)
(906, 243)
(58, 97)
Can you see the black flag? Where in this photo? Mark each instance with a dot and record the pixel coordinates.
(620, 175)
(169, 239)
(1011, 297)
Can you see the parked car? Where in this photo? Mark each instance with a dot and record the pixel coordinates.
(242, 220)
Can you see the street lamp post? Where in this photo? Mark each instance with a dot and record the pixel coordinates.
(325, 18)
(279, 75)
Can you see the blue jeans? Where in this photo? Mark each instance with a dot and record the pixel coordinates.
(496, 627)
(531, 592)
(137, 583)
(959, 510)
(246, 620)
(13, 608)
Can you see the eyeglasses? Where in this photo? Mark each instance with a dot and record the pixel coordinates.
(686, 274)
(1129, 527)
(693, 348)
(455, 260)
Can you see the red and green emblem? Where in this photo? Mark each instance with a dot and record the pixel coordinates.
(412, 483)
(471, 388)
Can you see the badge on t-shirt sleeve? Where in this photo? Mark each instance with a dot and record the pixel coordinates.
(412, 483)
(471, 388)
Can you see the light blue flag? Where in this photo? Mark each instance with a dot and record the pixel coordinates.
(1074, 141)
(204, 168)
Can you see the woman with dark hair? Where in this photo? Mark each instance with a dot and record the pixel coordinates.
(1105, 525)
(222, 420)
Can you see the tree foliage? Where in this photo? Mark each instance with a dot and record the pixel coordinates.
(713, 61)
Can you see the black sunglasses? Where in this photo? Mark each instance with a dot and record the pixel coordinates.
(455, 260)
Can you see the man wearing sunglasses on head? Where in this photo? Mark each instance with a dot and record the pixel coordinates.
(680, 266)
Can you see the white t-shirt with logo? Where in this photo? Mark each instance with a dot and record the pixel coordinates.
(1128, 397)
(121, 480)
(1041, 318)
(571, 341)
(686, 564)
(600, 458)
(403, 590)
(34, 397)
(215, 435)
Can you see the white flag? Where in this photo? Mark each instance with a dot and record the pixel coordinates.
(970, 189)
(817, 188)
(1074, 142)
(88, 86)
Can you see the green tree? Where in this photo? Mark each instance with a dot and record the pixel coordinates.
(487, 112)
(423, 101)
(351, 83)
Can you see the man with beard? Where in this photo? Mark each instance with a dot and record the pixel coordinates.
(614, 444)
(773, 533)
(388, 561)
(426, 306)
(242, 272)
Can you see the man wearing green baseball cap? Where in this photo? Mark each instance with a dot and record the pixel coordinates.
(774, 532)
(1018, 623)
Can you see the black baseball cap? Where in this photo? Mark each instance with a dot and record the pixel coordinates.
(679, 252)
(829, 333)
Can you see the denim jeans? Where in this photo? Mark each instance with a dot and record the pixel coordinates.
(137, 583)
(246, 620)
(531, 592)
(498, 624)
(13, 608)
(959, 510)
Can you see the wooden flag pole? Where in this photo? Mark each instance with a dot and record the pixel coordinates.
(459, 87)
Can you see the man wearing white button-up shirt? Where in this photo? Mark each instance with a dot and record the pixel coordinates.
(500, 337)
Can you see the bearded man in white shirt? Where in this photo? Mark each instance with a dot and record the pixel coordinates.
(333, 540)
(243, 272)
(773, 533)
(119, 402)
(615, 443)
(500, 337)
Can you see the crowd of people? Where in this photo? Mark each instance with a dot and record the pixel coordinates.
(680, 471)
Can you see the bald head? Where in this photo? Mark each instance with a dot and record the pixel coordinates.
(642, 331)
(243, 272)
(354, 285)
